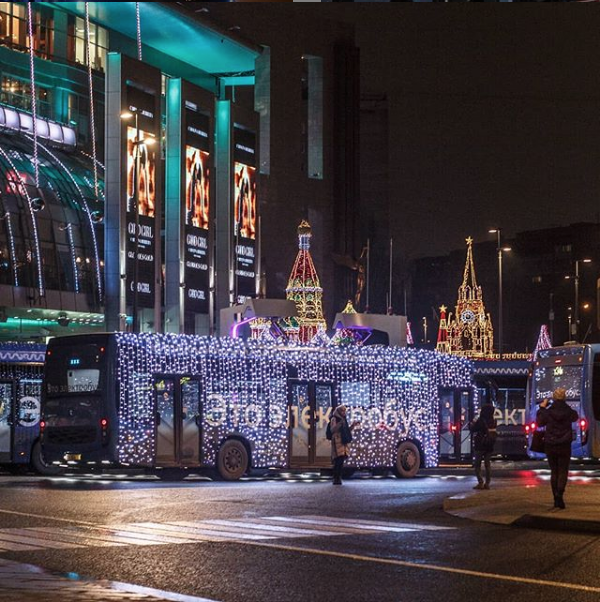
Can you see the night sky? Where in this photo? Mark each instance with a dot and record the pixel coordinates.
(494, 115)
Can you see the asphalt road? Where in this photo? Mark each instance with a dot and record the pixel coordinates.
(303, 539)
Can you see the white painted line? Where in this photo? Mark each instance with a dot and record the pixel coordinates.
(366, 521)
(219, 533)
(52, 518)
(157, 593)
(77, 536)
(430, 567)
(269, 528)
(336, 523)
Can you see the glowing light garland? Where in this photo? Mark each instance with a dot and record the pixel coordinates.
(36, 238)
(91, 88)
(244, 387)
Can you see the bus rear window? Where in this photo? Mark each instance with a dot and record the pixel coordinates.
(74, 369)
(596, 387)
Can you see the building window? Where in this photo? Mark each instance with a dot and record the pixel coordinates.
(14, 30)
(17, 93)
(77, 43)
(312, 96)
(537, 280)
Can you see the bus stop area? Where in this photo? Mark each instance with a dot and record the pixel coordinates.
(528, 503)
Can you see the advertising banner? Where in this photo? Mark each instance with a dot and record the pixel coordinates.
(197, 210)
(244, 212)
(142, 165)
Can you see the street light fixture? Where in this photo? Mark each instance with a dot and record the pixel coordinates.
(500, 249)
(126, 116)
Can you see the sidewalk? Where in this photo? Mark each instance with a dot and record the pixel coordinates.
(529, 503)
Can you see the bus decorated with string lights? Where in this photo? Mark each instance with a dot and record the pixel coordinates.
(21, 368)
(163, 400)
(576, 368)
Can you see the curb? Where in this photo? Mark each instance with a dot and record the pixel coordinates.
(534, 521)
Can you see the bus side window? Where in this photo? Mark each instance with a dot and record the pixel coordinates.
(596, 387)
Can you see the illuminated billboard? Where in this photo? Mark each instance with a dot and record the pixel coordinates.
(197, 191)
(141, 158)
(245, 201)
(245, 216)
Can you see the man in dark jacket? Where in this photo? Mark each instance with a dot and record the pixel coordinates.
(484, 438)
(557, 419)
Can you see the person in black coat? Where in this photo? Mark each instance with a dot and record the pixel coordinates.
(557, 419)
(484, 438)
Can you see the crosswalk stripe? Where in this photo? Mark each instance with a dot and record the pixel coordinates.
(355, 525)
(378, 523)
(269, 528)
(200, 527)
(77, 536)
(8, 539)
(176, 531)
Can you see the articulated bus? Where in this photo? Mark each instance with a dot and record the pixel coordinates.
(21, 367)
(576, 368)
(161, 401)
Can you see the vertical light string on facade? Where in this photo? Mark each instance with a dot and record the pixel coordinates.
(88, 58)
(33, 93)
(139, 30)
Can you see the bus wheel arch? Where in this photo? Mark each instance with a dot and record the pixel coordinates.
(38, 463)
(233, 458)
(409, 459)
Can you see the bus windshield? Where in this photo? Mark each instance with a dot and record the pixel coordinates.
(549, 378)
(74, 370)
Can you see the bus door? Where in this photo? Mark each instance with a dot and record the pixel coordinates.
(456, 411)
(7, 399)
(177, 411)
(309, 411)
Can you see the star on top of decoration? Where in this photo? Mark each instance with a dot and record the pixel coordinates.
(443, 308)
(469, 240)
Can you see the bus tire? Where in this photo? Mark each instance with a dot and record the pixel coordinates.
(39, 465)
(408, 460)
(232, 460)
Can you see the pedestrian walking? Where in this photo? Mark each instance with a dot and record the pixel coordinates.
(557, 418)
(484, 438)
(341, 436)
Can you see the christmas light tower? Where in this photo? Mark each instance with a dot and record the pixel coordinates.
(305, 290)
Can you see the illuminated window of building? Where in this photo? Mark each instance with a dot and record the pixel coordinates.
(536, 280)
(17, 93)
(13, 28)
(77, 43)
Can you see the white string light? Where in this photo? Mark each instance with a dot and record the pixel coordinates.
(139, 29)
(91, 87)
(33, 92)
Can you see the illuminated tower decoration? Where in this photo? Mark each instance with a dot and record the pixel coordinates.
(409, 336)
(470, 332)
(305, 290)
(345, 336)
(544, 341)
(443, 346)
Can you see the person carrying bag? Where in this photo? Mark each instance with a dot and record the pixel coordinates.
(557, 419)
(484, 439)
(341, 436)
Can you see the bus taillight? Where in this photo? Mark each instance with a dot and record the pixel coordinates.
(104, 431)
(533, 426)
(42, 425)
(583, 430)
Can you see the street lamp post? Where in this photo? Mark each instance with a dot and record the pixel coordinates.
(500, 249)
(575, 325)
(132, 113)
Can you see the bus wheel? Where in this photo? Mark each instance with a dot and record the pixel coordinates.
(408, 460)
(232, 460)
(39, 465)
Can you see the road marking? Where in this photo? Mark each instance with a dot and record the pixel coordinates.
(428, 567)
(25, 581)
(87, 534)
